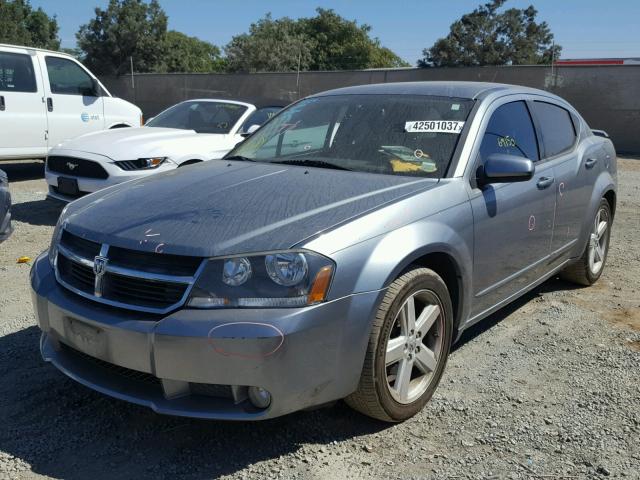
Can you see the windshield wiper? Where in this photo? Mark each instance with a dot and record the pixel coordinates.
(313, 163)
(240, 158)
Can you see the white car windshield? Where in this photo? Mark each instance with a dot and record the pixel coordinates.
(201, 116)
(391, 134)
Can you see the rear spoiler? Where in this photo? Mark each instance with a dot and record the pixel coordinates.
(600, 133)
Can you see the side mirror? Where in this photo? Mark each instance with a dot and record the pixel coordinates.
(250, 130)
(503, 168)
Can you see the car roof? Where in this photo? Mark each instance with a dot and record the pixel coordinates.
(36, 49)
(471, 90)
(257, 103)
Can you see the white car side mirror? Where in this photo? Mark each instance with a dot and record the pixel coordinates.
(250, 130)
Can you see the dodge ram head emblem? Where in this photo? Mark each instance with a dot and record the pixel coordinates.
(72, 166)
(99, 269)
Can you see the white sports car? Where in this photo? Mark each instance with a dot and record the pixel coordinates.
(189, 132)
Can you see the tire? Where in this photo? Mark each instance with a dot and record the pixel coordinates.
(380, 393)
(583, 271)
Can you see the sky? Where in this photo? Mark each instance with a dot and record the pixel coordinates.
(584, 28)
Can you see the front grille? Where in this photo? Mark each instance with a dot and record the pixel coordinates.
(77, 167)
(77, 275)
(147, 293)
(149, 282)
(211, 390)
(111, 368)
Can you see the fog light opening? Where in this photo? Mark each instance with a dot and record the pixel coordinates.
(259, 397)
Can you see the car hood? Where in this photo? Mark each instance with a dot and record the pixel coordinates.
(226, 207)
(141, 142)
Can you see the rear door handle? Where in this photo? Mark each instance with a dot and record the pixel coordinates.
(50, 104)
(544, 182)
(2, 105)
(590, 162)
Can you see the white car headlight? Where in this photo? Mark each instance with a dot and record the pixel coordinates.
(141, 163)
(275, 279)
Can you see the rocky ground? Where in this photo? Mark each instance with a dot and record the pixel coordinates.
(546, 388)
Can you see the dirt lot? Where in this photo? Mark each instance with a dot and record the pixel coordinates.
(546, 388)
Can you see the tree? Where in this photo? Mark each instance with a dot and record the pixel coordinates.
(326, 41)
(126, 29)
(487, 36)
(20, 24)
(190, 54)
(271, 46)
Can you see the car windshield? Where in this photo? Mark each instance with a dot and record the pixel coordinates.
(390, 134)
(203, 116)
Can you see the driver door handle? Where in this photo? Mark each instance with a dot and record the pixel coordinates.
(544, 182)
(2, 105)
(50, 104)
(590, 162)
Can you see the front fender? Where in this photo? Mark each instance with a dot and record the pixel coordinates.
(375, 263)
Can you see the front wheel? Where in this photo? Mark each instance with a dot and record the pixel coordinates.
(588, 268)
(408, 348)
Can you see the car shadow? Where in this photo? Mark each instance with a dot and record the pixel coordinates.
(64, 430)
(23, 170)
(552, 285)
(37, 212)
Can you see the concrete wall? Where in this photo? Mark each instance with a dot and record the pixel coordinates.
(607, 96)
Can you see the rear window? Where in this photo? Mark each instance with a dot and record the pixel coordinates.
(558, 132)
(16, 73)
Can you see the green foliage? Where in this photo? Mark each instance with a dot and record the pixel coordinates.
(190, 54)
(487, 36)
(271, 45)
(127, 28)
(326, 41)
(20, 24)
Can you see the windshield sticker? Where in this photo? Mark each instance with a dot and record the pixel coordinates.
(433, 126)
(455, 107)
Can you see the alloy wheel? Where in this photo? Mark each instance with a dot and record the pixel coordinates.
(414, 346)
(598, 241)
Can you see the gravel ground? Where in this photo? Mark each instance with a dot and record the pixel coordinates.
(546, 388)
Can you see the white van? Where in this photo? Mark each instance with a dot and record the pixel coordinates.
(48, 97)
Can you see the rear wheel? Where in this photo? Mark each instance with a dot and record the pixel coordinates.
(588, 268)
(408, 348)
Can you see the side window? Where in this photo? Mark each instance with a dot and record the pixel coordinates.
(259, 117)
(16, 73)
(556, 126)
(510, 130)
(67, 77)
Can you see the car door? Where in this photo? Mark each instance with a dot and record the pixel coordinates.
(23, 121)
(513, 222)
(74, 102)
(574, 170)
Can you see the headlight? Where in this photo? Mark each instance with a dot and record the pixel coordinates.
(55, 239)
(141, 163)
(277, 279)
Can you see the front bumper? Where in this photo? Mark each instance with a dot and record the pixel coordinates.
(303, 357)
(86, 185)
